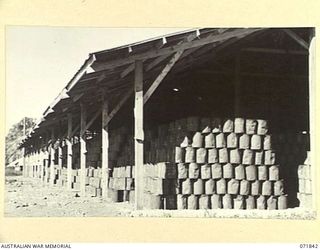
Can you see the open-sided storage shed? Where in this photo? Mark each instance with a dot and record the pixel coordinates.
(136, 105)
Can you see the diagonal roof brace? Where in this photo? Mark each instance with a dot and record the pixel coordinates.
(297, 38)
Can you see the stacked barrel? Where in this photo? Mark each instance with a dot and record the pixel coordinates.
(229, 164)
(160, 185)
(305, 184)
(121, 184)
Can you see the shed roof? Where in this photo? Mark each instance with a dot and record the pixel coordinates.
(113, 68)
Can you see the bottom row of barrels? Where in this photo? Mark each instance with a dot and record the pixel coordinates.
(214, 201)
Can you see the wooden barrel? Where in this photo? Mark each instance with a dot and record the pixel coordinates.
(223, 155)
(251, 173)
(269, 157)
(278, 188)
(228, 171)
(233, 186)
(244, 141)
(283, 202)
(213, 155)
(197, 140)
(205, 171)
(266, 188)
(216, 201)
(181, 202)
(204, 122)
(228, 126)
(235, 156)
(255, 188)
(256, 142)
(204, 202)
(186, 142)
(131, 196)
(216, 125)
(261, 202)
(155, 202)
(244, 187)
(251, 126)
(262, 127)
(220, 140)
(179, 155)
(247, 157)
(182, 171)
(232, 140)
(186, 186)
(227, 201)
(272, 203)
(210, 141)
(274, 173)
(193, 202)
(198, 187)
(239, 172)
(262, 173)
(258, 159)
(194, 171)
(267, 142)
(125, 195)
(239, 202)
(250, 202)
(190, 155)
(113, 195)
(216, 171)
(209, 187)
(239, 125)
(302, 185)
(221, 186)
(201, 155)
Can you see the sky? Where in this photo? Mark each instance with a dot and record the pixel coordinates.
(40, 61)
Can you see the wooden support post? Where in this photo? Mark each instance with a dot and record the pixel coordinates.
(83, 149)
(60, 156)
(24, 169)
(138, 134)
(105, 147)
(312, 92)
(237, 87)
(69, 152)
(52, 158)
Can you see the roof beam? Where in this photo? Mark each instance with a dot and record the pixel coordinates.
(175, 48)
(115, 110)
(275, 51)
(81, 71)
(297, 38)
(159, 59)
(161, 76)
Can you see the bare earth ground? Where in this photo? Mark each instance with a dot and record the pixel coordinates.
(26, 197)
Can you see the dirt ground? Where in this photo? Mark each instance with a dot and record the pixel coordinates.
(26, 197)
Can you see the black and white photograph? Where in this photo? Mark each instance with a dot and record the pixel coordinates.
(160, 122)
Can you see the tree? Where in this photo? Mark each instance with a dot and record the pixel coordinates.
(15, 136)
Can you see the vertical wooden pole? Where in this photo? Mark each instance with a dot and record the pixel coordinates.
(83, 149)
(105, 147)
(312, 91)
(237, 86)
(24, 150)
(24, 170)
(60, 156)
(69, 152)
(138, 134)
(52, 158)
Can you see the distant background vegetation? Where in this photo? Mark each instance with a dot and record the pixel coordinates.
(14, 137)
